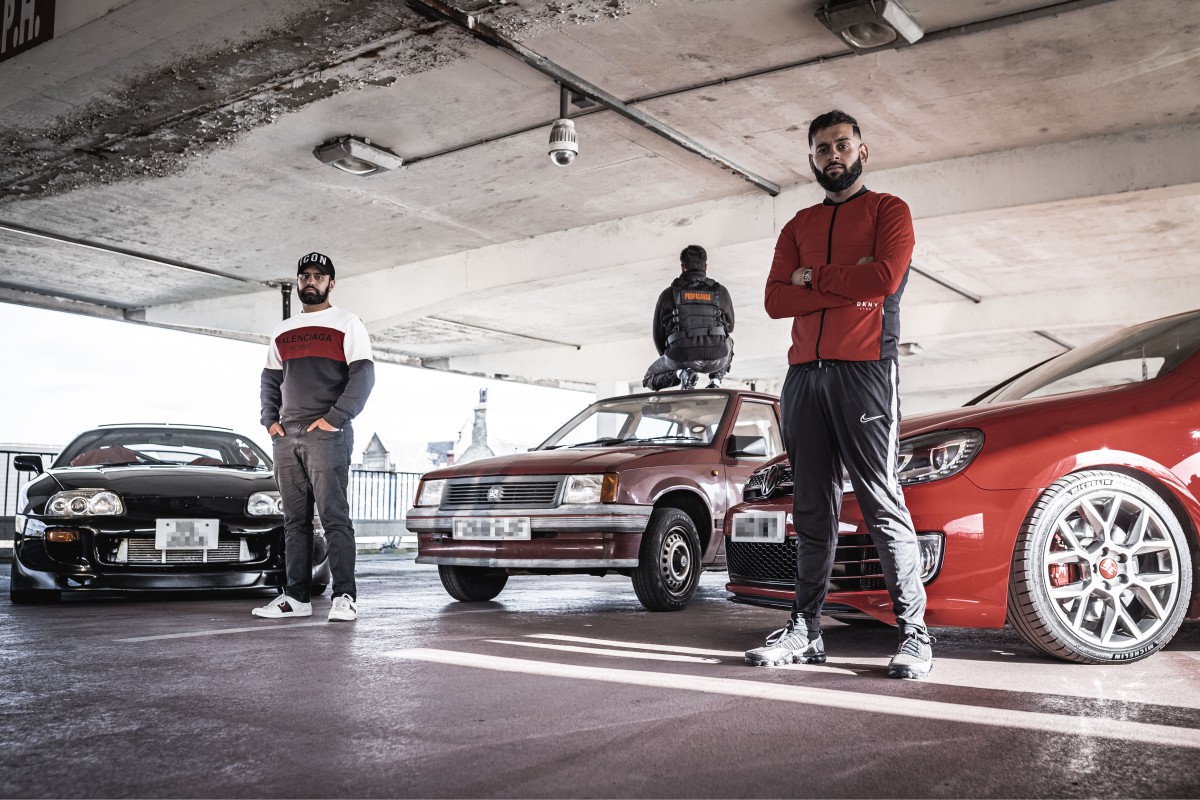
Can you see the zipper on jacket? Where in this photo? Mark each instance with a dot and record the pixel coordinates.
(828, 260)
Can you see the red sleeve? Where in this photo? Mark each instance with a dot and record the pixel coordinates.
(783, 298)
(894, 243)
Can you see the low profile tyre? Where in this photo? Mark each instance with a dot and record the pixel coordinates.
(472, 584)
(668, 569)
(29, 597)
(1102, 571)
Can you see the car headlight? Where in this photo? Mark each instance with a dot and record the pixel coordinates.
(936, 456)
(264, 504)
(590, 488)
(429, 493)
(85, 503)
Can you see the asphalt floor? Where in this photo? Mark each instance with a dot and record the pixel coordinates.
(562, 687)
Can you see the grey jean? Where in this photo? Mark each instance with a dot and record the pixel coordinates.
(847, 413)
(313, 468)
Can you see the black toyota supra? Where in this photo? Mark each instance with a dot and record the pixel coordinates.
(151, 508)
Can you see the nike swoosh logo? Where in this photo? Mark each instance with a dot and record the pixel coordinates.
(865, 418)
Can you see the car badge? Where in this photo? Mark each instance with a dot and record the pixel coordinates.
(493, 494)
(770, 481)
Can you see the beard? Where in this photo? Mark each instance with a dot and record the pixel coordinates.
(312, 296)
(841, 183)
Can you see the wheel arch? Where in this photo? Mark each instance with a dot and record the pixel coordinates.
(694, 506)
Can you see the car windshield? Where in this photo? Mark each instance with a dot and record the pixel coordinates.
(192, 446)
(677, 418)
(1131, 355)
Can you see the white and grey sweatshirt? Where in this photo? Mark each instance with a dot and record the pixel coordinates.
(319, 364)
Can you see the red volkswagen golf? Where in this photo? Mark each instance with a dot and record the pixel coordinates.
(1064, 501)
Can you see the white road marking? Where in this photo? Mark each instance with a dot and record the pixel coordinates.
(223, 631)
(661, 648)
(666, 648)
(1058, 724)
(612, 653)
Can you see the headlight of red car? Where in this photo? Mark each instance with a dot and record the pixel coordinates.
(935, 456)
(85, 503)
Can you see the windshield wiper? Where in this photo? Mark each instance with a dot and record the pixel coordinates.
(603, 441)
(660, 438)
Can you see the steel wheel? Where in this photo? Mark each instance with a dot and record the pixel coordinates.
(675, 559)
(1102, 570)
(668, 568)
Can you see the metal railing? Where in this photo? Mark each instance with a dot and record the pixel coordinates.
(13, 480)
(381, 495)
(372, 494)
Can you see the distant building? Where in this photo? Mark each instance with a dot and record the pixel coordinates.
(377, 457)
(479, 446)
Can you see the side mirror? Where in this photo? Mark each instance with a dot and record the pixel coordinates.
(28, 464)
(746, 447)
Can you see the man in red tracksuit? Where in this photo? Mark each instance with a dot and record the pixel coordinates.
(838, 272)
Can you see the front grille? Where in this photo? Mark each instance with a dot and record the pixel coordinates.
(771, 481)
(142, 551)
(855, 563)
(501, 493)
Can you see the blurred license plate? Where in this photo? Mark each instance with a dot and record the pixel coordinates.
(758, 526)
(492, 528)
(186, 534)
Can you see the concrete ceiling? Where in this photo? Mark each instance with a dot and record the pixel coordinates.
(156, 166)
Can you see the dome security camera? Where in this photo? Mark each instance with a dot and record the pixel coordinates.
(563, 144)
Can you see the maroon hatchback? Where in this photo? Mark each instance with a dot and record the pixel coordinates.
(635, 485)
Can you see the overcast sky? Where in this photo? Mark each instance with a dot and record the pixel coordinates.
(64, 373)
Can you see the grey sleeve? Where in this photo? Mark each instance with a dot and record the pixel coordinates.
(354, 396)
(270, 396)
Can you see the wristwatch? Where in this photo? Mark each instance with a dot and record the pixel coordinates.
(806, 277)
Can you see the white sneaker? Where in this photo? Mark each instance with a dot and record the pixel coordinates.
(344, 609)
(284, 606)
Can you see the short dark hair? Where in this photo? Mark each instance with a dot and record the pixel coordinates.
(828, 120)
(693, 258)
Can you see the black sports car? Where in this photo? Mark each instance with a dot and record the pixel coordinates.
(135, 508)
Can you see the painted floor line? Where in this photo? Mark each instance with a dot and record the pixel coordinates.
(661, 648)
(601, 651)
(222, 631)
(1058, 724)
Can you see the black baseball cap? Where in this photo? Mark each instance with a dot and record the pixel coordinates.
(323, 263)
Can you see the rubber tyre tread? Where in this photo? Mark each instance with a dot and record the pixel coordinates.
(472, 584)
(1023, 612)
(648, 582)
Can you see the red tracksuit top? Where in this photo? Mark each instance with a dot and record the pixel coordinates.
(851, 313)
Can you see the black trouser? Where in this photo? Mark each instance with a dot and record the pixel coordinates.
(848, 413)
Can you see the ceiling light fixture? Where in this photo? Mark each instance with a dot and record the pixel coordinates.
(870, 25)
(357, 156)
(564, 145)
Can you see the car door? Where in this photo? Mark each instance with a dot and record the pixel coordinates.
(752, 440)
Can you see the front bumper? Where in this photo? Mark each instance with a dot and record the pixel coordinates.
(564, 538)
(91, 578)
(970, 589)
(119, 558)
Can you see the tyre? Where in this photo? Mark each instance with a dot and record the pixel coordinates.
(33, 596)
(1102, 571)
(472, 584)
(668, 569)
